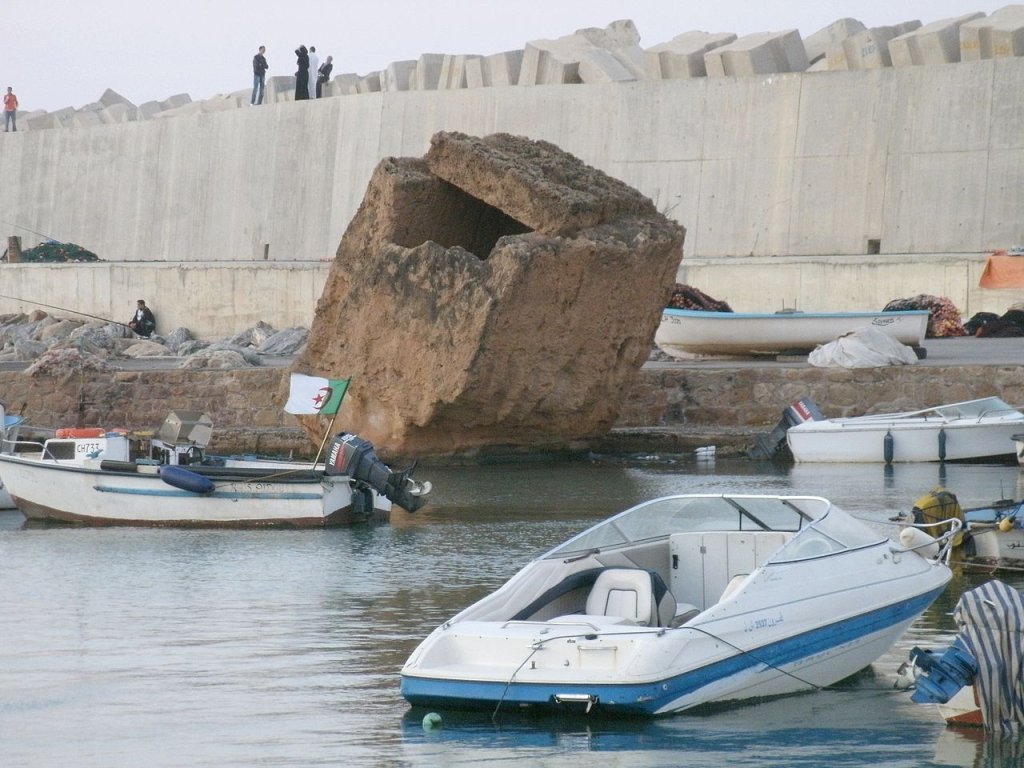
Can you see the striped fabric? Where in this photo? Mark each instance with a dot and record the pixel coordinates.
(991, 620)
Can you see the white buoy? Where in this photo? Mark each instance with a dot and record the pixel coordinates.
(919, 541)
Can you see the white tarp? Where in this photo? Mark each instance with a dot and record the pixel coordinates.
(865, 347)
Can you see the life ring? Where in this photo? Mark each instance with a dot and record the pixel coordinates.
(67, 432)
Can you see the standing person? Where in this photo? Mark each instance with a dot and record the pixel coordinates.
(10, 111)
(302, 73)
(259, 71)
(323, 75)
(142, 322)
(314, 67)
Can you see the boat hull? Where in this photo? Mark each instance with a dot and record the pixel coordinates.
(685, 333)
(786, 664)
(838, 440)
(85, 495)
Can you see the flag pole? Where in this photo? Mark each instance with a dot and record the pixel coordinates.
(327, 434)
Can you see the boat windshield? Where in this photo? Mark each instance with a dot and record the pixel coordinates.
(986, 406)
(834, 532)
(678, 514)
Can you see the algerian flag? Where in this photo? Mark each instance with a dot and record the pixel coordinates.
(313, 394)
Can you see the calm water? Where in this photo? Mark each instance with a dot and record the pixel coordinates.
(128, 647)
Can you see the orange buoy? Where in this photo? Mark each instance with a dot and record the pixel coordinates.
(67, 432)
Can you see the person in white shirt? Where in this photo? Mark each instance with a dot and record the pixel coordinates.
(314, 70)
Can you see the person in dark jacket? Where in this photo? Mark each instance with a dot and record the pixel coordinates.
(302, 73)
(259, 71)
(143, 322)
(323, 75)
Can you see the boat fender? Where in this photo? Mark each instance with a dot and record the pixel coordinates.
(185, 479)
(942, 445)
(1006, 524)
(887, 447)
(920, 542)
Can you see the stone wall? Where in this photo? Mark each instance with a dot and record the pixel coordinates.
(668, 408)
(666, 395)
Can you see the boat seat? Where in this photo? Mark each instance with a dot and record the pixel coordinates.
(631, 593)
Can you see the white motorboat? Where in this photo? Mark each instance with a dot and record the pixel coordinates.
(100, 477)
(685, 333)
(683, 601)
(973, 430)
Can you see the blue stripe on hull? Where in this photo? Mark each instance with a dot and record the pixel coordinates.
(650, 698)
(215, 495)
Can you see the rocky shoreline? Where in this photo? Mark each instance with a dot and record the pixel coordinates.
(53, 345)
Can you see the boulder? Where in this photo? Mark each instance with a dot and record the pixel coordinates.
(221, 359)
(284, 343)
(497, 292)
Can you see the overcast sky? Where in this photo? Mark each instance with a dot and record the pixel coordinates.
(59, 53)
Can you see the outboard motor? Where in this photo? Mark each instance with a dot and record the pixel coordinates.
(766, 446)
(353, 456)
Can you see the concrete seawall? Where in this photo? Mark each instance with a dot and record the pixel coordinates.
(900, 180)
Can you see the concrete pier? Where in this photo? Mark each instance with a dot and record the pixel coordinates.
(835, 189)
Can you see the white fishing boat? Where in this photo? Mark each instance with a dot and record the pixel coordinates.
(100, 477)
(973, 430)
(683, 601)
(685, 333)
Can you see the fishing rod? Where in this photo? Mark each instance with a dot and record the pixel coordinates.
(26, 229)
(64, 309)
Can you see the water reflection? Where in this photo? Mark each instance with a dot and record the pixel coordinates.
(237, 648)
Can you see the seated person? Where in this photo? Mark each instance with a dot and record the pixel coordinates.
(143, 323)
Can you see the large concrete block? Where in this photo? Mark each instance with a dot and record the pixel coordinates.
(453, 71)
(870, 49)
(542, 67)
(428, 72)
(494, 70)
(346, 84)
(599, 66)
(683, 56)
(84, 118)
(612, 54)
(278, 88)
(119, 112)
(149, 109)
(830, 38)
(57, 119)
(178, 100)
(618, 34)
(758, 54)
(370, 83)
(111, 97)
(935, 43)
(998, 35)
(398, 75)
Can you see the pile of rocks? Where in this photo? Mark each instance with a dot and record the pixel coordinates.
(59, 345)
